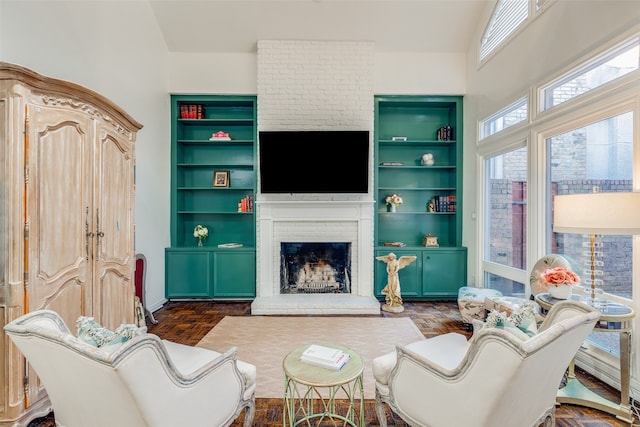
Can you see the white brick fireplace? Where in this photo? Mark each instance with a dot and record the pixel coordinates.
(315, 85)
(315, 221)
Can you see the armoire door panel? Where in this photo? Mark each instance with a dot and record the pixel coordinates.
(65, 301)
(60, 159)
(115, 183)
(115, 257)
(113, 293)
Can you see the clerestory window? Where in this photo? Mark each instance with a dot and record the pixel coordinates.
(505, 118)
(507, 16)
(610, 65)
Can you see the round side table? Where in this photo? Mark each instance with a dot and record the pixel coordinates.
(311, 392)
(614, 318)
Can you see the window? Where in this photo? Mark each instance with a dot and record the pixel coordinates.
(506, 219)
(612, 64)
(513, 114)
(597, 155)
(507, 17)
(583, 133)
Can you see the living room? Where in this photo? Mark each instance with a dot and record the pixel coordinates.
(118, 50)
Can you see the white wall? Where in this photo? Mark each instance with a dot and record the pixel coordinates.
(404, 73)
(115, 49)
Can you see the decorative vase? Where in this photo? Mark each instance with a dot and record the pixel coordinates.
(560, 291)
(391, 208)
(200, 239)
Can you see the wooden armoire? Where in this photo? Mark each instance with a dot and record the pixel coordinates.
(66, 217)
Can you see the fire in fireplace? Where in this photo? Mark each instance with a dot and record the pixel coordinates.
(315, 267)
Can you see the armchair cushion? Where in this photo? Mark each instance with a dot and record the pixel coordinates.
(471, 302)
(445, 350)
(92, 333)
(188, 359)
(521, 323)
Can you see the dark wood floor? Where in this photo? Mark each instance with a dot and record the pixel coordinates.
(188, 322)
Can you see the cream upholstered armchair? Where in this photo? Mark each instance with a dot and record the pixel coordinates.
(145, 381)
(495, 379)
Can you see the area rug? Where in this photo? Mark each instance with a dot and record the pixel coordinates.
(264, 341)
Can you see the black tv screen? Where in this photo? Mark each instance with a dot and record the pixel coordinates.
(314, 161)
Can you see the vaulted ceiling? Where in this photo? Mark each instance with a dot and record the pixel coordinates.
(210, 26)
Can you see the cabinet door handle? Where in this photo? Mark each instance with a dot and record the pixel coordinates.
(87, 234)
(99, 233)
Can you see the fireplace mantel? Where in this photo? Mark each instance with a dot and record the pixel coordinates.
(314, 221)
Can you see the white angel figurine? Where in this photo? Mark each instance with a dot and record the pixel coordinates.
(392, 290)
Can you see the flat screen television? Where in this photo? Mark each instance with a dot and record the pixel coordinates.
(314, 162)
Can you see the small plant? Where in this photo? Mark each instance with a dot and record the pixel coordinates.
(200, 232)
(394, 200)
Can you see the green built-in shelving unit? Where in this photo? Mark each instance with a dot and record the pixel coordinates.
(225, 207)
(406, 128)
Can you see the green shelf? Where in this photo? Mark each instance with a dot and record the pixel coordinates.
(418, 118)
(206, 272)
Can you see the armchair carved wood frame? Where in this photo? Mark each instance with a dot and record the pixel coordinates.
(492, 380)
(147, 382)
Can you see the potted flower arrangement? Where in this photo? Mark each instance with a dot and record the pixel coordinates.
(200, 232)
(393, 202)
(559, 281)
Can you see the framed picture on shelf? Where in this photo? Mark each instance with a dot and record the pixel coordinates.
(221, 179)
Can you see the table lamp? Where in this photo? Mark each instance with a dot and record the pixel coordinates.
(596, 214)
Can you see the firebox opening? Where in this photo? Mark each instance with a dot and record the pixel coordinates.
(315, 267)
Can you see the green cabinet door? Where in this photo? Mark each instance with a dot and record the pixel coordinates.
(187, 273)
(234, 274)
(444, 271)
(410, 277)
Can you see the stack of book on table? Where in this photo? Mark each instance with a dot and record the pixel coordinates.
(326, 357)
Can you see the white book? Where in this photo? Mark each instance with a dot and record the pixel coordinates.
(321, 353)
(336, 365)
(230, 245)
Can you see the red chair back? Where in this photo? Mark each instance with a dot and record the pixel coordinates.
(139, 276)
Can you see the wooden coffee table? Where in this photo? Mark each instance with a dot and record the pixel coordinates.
(311, 392)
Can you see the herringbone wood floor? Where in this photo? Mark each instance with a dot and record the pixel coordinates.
(187, 322)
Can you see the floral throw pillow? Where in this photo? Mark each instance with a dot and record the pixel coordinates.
(521, 323)
(92, 333)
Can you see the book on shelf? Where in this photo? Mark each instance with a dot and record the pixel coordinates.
(230, 245)
(191, 111)
(246, 204)
(444, 203)
(325, 357)
(392, 164)
(445, 133)
(395, 244)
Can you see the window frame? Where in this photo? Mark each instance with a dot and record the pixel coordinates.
(603, 56)
(501, 114)
(606, 366)
(516, 140)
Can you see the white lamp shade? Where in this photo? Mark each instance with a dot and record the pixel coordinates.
(597, 213)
